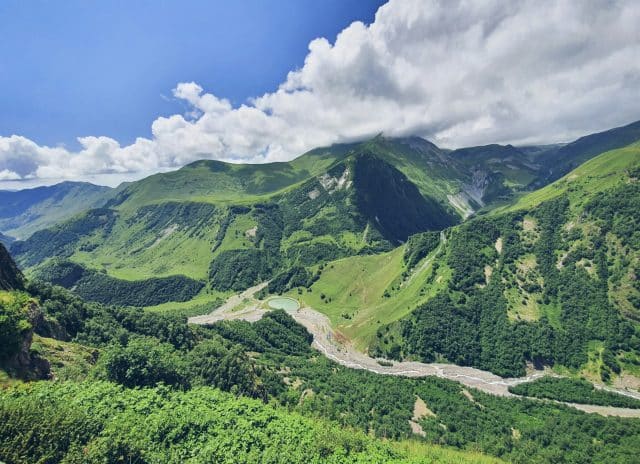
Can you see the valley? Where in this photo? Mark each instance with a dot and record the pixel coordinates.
(417, 294)
(335, 346)
(335, 232)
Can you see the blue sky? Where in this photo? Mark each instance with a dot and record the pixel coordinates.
(107, 91)
(74, 68)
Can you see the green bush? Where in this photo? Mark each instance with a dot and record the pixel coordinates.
(143, 362)
(14, 326)
(100, 422)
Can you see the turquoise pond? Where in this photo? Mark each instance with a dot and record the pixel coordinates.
(288, 304)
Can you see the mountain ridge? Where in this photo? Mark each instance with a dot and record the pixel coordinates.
(23, 212)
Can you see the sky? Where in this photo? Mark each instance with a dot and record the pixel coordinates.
(113, 91)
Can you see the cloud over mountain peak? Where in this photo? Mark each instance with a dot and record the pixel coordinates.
(457, 72)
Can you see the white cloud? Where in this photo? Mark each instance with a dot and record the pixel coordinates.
(457, 72)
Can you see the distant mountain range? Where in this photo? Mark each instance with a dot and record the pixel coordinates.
(228, 226)
(23, 212)
(506, 259)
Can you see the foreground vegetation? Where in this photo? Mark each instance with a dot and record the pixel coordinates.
(94, 423)
(270, 361)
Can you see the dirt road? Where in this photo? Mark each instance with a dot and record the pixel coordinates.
(342, 352)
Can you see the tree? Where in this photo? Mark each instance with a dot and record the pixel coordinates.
(143, 362)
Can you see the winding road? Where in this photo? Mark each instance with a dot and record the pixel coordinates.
(336, 348)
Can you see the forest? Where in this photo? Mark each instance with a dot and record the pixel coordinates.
(149, 363)
(560, 276)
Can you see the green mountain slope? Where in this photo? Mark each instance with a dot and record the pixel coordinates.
(560, 160)
(360, 294)
(596, 175)
(25, 211)
(225, 227)
(233, 245)
(454, 179)
(550, 280)
(465, 179)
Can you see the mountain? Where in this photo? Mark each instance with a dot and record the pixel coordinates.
(233, 246)
(213, 227)
(560, 160)
(232, 225)
(23, 212)
(465, 180)
(549, 280)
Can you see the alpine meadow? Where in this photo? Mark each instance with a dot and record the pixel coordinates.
(420, 243)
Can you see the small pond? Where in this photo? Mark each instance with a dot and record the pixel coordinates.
(283, 302)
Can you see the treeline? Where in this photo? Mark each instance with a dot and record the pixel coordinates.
(419, 246)
(61, 240)
(96, 286)
(573, 391)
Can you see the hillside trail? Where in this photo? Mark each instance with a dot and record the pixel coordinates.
(337, 348)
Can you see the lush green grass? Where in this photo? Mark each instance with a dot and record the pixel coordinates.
(69, 361)
(596, 175)
(220, 183)
(371, 292)
(137, 250)
(240, 234)
(205, 302)
(425, 453)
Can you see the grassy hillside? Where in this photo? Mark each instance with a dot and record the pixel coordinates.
(559, 161)
(596, 175)
(362, 293)
(26, 211)
(235, 245)
(545, 281)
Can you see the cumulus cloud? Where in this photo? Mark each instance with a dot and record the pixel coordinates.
(459, 72)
